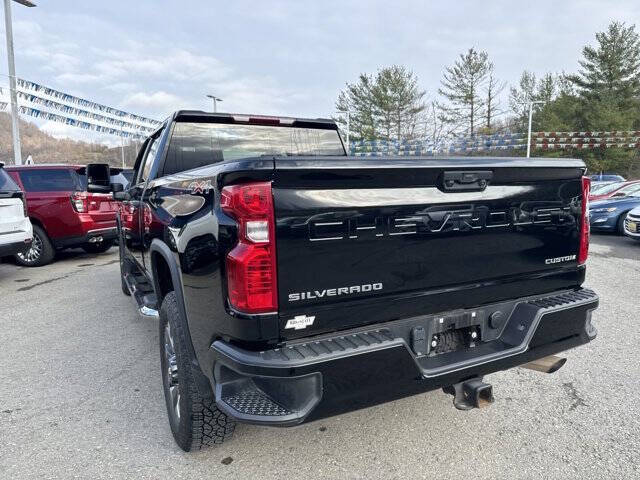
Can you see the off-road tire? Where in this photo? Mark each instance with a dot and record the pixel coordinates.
(200, 422)
(40, 244)
(99, 247)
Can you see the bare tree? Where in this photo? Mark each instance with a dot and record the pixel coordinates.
(493, 90)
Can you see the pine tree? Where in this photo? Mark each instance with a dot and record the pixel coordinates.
(357, 99)
(398, 101)
(521, 96)
(611, 71)
(462, 87)
(387, 106)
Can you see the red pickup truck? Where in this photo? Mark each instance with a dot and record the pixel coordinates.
(63, 213)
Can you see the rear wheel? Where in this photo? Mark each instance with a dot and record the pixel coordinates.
(194, 418)
(41, 251)
(98, 247)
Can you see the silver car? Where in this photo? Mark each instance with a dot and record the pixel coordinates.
(632, 224)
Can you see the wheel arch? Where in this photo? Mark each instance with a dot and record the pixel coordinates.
(38, 222)
(166, 273)
(163, 260)
(620, 221)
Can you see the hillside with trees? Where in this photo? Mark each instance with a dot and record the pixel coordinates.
(45, 148)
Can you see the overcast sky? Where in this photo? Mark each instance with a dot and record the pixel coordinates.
(285, 58)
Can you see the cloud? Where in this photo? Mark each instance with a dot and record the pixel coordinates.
(145, 78)
(282, 57)
(157, 101)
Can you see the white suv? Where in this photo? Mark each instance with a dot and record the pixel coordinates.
(16, 232)
(632, 224)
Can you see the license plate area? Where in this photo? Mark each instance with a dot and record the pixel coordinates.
(454, 340)
(448, 334)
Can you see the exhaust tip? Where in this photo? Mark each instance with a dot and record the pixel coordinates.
(549, 364)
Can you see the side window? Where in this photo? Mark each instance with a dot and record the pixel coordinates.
(48, 180)
(148, 160)
(194, 145)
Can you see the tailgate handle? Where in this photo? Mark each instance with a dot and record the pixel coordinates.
(466, 180)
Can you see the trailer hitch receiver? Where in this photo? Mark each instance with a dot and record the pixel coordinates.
(473, 393)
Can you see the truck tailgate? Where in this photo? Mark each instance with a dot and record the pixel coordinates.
(363, 241)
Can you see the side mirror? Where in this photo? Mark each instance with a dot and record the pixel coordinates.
(98, 178)
(118, 192)
(121, 196)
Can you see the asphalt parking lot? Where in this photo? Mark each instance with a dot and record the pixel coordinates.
(82, 397)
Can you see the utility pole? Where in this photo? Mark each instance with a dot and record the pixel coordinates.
(215, 99)
(122, 147)
(531, 104)
(15, 130)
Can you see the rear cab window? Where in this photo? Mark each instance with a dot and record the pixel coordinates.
(50, 180)
(197, 144)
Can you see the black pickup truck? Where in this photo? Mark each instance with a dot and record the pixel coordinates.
(292, 282)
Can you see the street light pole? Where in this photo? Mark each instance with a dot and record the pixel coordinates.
(13, 95)
(215, 99)
(122, 147)
(531, 104)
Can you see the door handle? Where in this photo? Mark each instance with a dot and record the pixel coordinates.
(469, 181)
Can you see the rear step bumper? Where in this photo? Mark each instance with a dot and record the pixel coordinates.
(306, 380)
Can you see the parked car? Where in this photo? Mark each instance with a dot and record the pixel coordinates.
(292, 282)
(607, 177)
(16, 232)
(608, 215)
(632, 224)
(63, 213)
(617, 189)
(598, 186)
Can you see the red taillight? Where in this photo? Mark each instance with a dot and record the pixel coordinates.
(584, 226)
(79, 202)
(251, 265)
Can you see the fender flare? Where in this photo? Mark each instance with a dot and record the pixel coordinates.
(161, 248)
